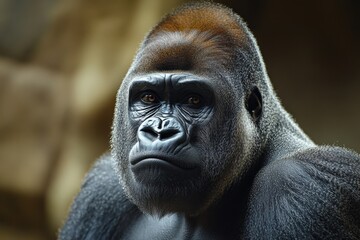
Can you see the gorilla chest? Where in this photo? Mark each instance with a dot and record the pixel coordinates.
(169, 227)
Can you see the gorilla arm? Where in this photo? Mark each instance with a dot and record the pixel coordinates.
(312, 194)
(101, 206)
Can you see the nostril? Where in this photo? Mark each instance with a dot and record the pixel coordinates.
(168, 133)
(149, 131)
(163, 134)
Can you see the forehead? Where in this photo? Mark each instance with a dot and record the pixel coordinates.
(191, 51)
(174, 80)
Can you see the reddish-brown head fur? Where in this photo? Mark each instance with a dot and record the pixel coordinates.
(196, 37)
(202, 17)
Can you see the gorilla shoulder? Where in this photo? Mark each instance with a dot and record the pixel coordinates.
(101, 200)
(318, 186)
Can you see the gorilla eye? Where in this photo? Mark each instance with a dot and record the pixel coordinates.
(194, 101)
(149, 98)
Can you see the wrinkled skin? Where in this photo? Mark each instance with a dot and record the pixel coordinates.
(202, 148)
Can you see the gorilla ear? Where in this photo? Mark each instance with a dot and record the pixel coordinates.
(254, 103)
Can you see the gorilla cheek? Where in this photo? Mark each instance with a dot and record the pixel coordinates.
(227, 153)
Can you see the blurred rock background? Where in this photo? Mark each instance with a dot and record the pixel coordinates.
(61, 62)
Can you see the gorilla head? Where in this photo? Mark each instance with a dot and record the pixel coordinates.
(189, 112)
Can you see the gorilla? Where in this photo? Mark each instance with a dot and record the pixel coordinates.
(201, 148)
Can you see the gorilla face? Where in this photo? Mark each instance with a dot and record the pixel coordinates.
(179, 140)
(166, 110)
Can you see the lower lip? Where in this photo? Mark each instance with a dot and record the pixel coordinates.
(156, 163)
(150, 169)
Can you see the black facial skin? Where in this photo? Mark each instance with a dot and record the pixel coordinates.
(168, 111)
(201, 148)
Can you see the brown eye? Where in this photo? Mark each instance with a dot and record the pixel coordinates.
(148, 98)
(194, 100)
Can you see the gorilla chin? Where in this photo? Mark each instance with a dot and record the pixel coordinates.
(159, 187)
(161, 183)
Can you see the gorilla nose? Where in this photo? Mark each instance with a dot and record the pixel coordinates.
(161, 134)
(168, 131)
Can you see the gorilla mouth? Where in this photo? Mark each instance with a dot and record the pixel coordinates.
(146, 159)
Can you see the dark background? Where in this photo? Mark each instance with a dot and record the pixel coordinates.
(61, 62)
